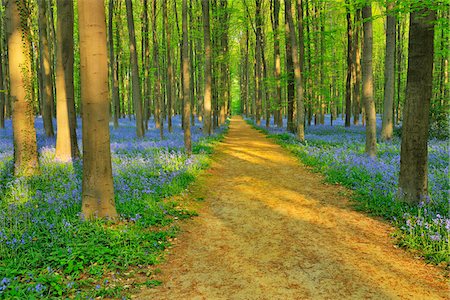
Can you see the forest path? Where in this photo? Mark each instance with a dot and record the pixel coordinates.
(271, 229)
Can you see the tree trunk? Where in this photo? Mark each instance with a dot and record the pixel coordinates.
(98, 189)
(44, 64)
(207, 128)
(297, 73)
(66, 137)
(356, 69)
(136, 83)
(258, 66)
(157, 90)
(24, 132)
(277, 61)
(186, 83)
(348, 86)
(170, 81)
(413, 181)
(399, 58)
(290, 78)
(367, 75)
(2, 75)
(246, 73)
(387, 126)
(113, 67)
(146, 88)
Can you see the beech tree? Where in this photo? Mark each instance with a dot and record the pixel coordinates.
(413, 179)
(207, 128)
(367, 84)
(157, 98)
(66, 137)
(135, 81)
(275, 17)
(19, 62)
(186, 83)
(169, 82)
(387, 126)
(45, 70)
(348, 81)
(297, 72)
(113, 66)
(98, 189)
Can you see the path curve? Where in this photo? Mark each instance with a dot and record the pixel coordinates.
(271, 229)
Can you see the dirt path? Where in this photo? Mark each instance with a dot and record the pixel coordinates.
(271, 229)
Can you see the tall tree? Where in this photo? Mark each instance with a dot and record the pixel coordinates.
(2, 80)
(289, 77)
(387, 126)
(356, 68)
(113, 66)
(207, 128)
(146, 85)
(158, 100)
(367, 84)
(413, 181)
(98, 189)
(258, 66)
(348, 82)
(297, 73)
(186, 82)
(275, 5)
(24, 132)
(66, 137)
(170, 80)
(135, 81)
(45, 70)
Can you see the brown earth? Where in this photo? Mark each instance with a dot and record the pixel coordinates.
(269, 228)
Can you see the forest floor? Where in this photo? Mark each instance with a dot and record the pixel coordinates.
(270, 228)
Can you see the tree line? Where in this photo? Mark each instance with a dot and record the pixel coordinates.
(79, 64)
(338, 60)
(151, 60)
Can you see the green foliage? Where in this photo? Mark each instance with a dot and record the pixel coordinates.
(53, 253)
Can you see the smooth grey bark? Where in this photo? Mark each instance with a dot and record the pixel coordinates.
(387, 126)
(367, 83)
(413, 179)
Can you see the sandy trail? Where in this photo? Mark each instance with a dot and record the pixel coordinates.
(271, 229)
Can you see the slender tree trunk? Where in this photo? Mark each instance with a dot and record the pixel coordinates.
(399, 70)
(413, 180)
(146, 65)
(290, 77)
(113, 66)
(186, 82)
(157, 89)
(356, 69)
(170, 81)
(367, 74)
(348, 87)
(301, 49)
(309, 93)
(98, 189)
(66, 138)
(135, 81)
(258, 67)
(191, 64)
(387, 127)
(297, 73)
(246, 73)
(44, 65)
(277, 61)
(2, 75)
(207, 128)
(24, 132)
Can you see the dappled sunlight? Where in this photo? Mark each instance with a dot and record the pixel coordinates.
(280, 232)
